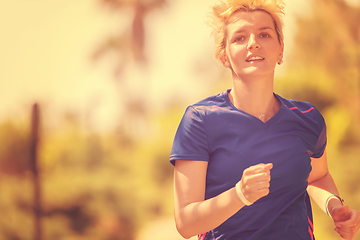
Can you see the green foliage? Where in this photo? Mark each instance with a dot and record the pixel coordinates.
(94, 186)
(14, 149)
(330, 42)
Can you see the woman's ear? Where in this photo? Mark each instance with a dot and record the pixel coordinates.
(281, 54)
(224, 60)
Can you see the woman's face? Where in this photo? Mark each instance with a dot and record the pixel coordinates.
(252, 45)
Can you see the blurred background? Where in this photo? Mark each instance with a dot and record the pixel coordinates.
(92, 92)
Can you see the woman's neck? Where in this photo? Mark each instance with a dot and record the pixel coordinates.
(255, 96)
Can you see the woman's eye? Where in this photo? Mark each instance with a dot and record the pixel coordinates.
(264, 35)
(238, 39)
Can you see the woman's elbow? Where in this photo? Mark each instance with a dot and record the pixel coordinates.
(183, 230)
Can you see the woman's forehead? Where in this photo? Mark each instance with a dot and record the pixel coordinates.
(259, 19)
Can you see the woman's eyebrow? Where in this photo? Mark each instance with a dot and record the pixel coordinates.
(262, 28)
(266, 28)
(239, 30)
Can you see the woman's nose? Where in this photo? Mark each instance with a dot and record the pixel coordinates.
(252, 44)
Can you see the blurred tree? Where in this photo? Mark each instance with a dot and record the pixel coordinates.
(14, 150)
(331, 40)
(130, 43)
(129, 46)
(325, 64)
(15, 180)
(34, 162)
(94, 186)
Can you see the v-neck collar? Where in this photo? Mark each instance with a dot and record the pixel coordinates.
(256, 120)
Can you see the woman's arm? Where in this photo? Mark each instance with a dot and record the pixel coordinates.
(321, 188)
(193, 214)
(321, 183)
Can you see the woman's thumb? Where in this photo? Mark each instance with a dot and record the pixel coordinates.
(340, 213)
(269, 166)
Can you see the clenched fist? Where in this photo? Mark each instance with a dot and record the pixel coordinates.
(347, 221)
(255, 182)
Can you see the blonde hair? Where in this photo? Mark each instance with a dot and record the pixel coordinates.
(224, 9)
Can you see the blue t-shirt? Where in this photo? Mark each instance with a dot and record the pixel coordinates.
(231, 140)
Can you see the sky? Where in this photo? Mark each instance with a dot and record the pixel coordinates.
(46, 48)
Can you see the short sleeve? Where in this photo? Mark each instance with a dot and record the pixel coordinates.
(322, 140)
(190, 142)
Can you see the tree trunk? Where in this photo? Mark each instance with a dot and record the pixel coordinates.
(35, 169)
